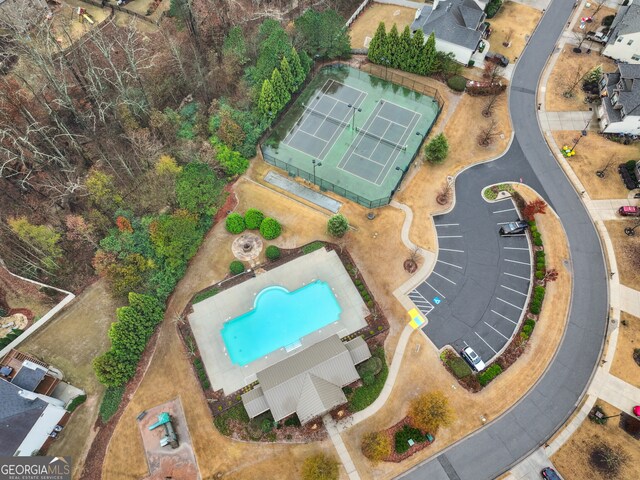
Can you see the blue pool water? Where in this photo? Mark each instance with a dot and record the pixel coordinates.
(279, 318)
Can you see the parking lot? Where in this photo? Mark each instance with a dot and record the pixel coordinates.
(479, 286)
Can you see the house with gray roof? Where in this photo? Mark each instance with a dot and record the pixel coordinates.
(623, 43)
(620, 94)
(458, 26)
(308, 383)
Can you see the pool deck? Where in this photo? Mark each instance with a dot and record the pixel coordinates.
(209, 316)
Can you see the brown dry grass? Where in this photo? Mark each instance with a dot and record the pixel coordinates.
(592, 154)
(624, 366)
(367, 23)
(461, 130)
(627, 251)
(563, 71)
(70, 342)
(66, 25)
(521, 19)
(572, 460)
(597, 18)
(423, 367)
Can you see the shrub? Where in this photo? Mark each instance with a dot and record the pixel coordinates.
(204, 295)
(337, 225)
(266, 425)
(630, 164)
(312, 247)
(376, 446)
(320, 467)
(368, 379)
(111, 402)
(253, 218)
(292, 421)
(372, 366)
(457, 83)
(489, 374)
(492, 8)
(235, 223)
(272, 252)
(608, 20)
(405, 434)
(364, 396)
(76, 402)
(540, 274)
(348, 390)
(198, 189)
(527, 328)
(270, 228)
(430, 411)
(437, 149)
(236, 267)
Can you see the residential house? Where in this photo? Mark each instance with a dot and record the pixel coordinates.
(620, 94)
(308, 383)
(29, 415)
(624, 36)
(458, 25)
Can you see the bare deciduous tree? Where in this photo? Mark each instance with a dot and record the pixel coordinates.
(491, 104)
(488, 133)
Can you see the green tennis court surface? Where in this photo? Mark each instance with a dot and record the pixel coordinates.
(352, 133)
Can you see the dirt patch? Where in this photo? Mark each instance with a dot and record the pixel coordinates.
(627, 250)
(16, 293)
(624, 366)
(593, 152)
(367, 22)
(579, 457)
(517, 21)
(564, 71)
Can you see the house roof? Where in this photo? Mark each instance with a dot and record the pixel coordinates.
(29, 376)
(627, 21)
(358, 349)
(299, 383)
(454, 21)
(18, 415)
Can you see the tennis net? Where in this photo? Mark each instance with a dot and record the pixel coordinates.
(327, 118)
(380, 139)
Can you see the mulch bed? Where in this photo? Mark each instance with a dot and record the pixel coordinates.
(391, 433)
(289, 434)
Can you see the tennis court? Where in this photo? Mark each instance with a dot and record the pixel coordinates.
(352, 133)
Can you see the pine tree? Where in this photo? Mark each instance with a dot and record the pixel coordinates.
(393, 47)
(296, 69)
(416, 51)
(428, 59)
(404, 50)
(377, 44)
(266, 103)
(280, 92)
(287, 76)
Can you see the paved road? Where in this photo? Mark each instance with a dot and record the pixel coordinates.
(494, 449)
(476, 292)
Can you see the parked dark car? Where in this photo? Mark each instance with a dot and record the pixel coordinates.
(514, 228)
(550, 474)
(497, 58)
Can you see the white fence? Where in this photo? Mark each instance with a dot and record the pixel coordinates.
(357, 12)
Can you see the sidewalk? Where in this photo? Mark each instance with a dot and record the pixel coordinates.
(345, 458)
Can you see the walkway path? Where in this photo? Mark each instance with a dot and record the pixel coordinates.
(345, 458)
(564, 120)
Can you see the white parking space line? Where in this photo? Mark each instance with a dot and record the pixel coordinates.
(515, 235)
(515, 248)
(516, 291)
(446, 225)
(450, 264)
(506, 318)
(421, 302)
(442, 276)
(516, 261)
(451, 250)
(434, 289)
(449, 236)
(502, 223)
(506, 210)
(495, 330)
(465, 343)
(514, 275)
(486, 342)
(514, 306)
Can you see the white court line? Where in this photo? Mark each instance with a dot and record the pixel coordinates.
(496, 330)
(505, 210)
(368, 159)
(517, 276)
(338, 130)
(450, 264)
(312, 135)
(446, 225)
(451, 250)
(504, 301)
(442, 276)
(399, 106)
(450, 236)
(485, 342)
(515, 291)
(376, 147)
(516, 261)
(393, 121)
(515, 248)
(434, 289)
(403, 140)
(506, 318)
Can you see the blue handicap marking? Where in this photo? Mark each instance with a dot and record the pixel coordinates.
(436, 300)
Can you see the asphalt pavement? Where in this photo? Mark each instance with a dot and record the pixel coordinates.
(492, 450)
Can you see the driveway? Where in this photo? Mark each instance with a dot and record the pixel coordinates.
(502, 443)
(479, 285)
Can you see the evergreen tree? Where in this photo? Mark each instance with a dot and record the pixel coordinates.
(404, 50)
(393, 47)
(287, 76)
(416, 51)
(267, 102)
(377, 44)
(296, 69)
(280, 92)
(234, 44)
(428, 60)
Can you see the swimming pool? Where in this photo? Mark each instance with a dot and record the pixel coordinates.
(279, 318)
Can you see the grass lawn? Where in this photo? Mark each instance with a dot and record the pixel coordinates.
(624, 366)
(592, 154)
(367, 23)
(515, 19)
(573, 459)
(597, 19)
(627, 251)
(563, 71)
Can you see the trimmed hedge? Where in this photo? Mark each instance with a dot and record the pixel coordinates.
(204, 295)
(536, 301)
(364, 396)
(528, 327)
(253, 218)
(403, 435)
(76, 402)
(270, 228)
(489, 374)
(202, 374)
(492, 8)
(110, 402)
(312, 247)
(236, 267)
(457, 83)
(272, 252)
(235, 223)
